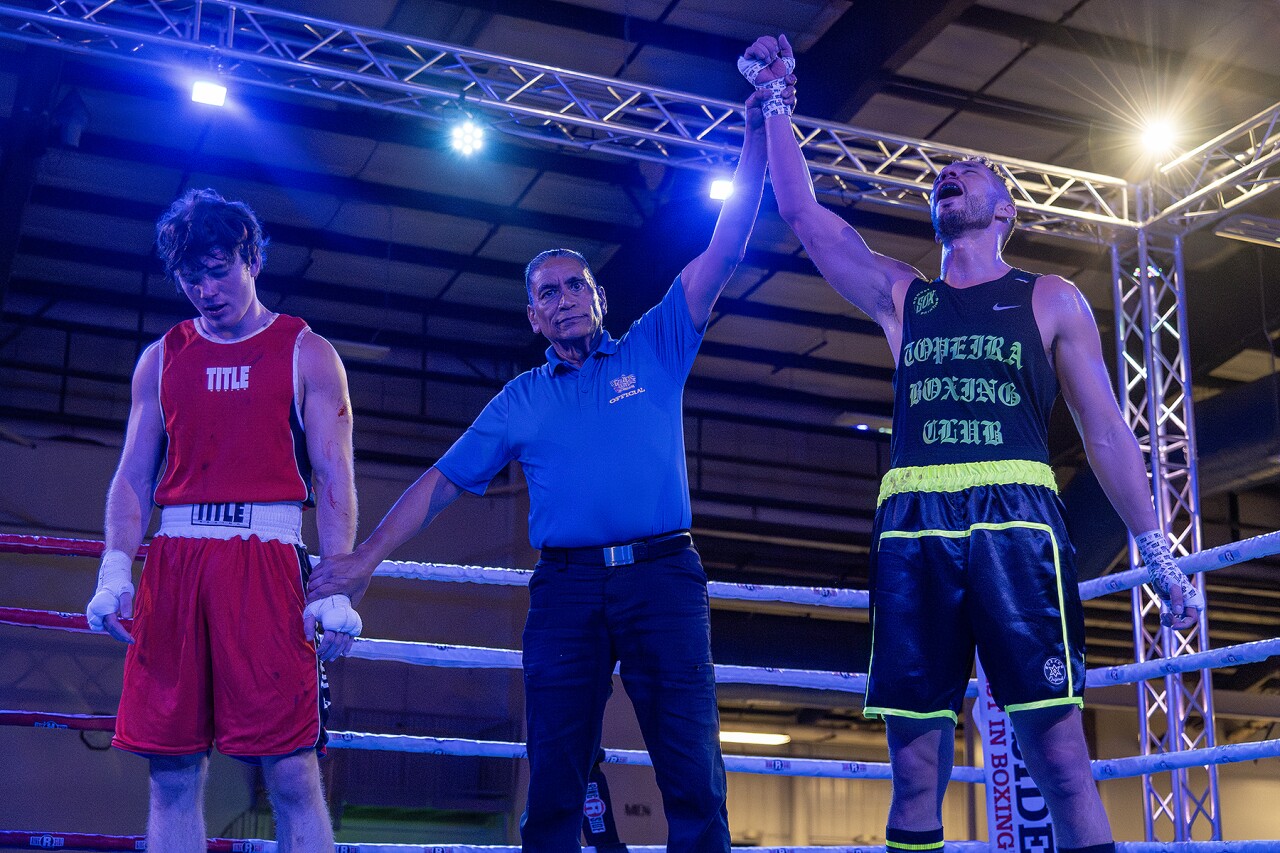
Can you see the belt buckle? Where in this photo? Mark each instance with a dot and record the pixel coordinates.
(619, 555)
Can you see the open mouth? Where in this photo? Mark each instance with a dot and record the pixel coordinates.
(949, 189)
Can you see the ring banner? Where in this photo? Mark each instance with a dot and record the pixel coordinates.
(1017, 814)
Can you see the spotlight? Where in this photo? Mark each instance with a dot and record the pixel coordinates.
(721, 189)
(205, 92)
(1158, 135)
(467, 137)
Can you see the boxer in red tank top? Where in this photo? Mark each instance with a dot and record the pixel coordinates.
(240, 418)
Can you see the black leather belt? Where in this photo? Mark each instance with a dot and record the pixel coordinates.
(623, 555)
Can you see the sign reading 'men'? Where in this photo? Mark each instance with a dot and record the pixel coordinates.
(1017, 814)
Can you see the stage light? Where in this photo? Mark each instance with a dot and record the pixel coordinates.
(721, 189)
(206, 92)
(467, 137)
(1158, 135)
(756, 738)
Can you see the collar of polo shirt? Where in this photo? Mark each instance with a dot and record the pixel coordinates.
(606, 346)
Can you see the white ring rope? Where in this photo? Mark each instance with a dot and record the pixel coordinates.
(54, 840)
(1139, 765)
(852, 599)
(1132, 673)
(1201, 561)
(779, 766)
(478, 657)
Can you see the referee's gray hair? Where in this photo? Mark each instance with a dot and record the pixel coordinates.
(542, 257)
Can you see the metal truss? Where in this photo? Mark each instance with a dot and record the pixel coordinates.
(279, 50)
(1176, 712)
(1218, 177)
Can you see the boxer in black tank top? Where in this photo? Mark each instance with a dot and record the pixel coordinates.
(969, 548)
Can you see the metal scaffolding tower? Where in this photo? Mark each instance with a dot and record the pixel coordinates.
(1144, 224)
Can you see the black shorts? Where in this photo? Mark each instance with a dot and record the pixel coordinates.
(989, 567)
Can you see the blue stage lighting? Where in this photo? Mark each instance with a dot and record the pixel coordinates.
(467, 137)
(206, 92)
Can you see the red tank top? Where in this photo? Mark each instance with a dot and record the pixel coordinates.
(231, 418)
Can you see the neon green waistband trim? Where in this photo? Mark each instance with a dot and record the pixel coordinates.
(966, 475)
(899, 845)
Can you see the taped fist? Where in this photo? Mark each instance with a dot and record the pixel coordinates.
(1181, 601)
(338, 619)
(113, 598)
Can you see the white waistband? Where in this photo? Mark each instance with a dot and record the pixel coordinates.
(278, 521)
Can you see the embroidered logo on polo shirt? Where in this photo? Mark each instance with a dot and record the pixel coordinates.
(624, 386)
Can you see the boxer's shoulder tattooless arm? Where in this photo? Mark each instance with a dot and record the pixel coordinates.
(327, 422)
(864, 277)
(130, 494)
(1109, 442)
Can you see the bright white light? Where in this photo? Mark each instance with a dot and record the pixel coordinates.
(721, 188)
(204, 92)
(863, 427)
(468, 137)
(756, 738)
(1158, 136)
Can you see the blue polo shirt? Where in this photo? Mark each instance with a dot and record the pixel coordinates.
(602, 447)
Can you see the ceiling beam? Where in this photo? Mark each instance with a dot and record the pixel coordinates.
(1006, 109)
(1033, 31)
(141, 82)
(601, 22)
(841, 71)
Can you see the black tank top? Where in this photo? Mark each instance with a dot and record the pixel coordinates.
(973, 383)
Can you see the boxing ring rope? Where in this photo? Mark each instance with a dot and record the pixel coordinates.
(455, 656)
(854, 599)
(1103, 769)
(81, 841)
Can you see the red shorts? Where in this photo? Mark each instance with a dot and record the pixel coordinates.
(220, 658)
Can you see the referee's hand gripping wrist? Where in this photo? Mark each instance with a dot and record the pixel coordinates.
(113, 598)
(1181, 602)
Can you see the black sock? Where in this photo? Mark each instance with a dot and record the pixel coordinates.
(1109, 847)
(908, 841)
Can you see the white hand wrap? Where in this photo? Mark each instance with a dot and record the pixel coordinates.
(335, 613)
(773, 105)
(751, 68)
(115, 578)
(1163, 573)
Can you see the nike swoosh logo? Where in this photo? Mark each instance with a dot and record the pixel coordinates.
(1004, 307)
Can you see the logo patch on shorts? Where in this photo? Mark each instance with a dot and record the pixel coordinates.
(222, 515)
(1055, 671)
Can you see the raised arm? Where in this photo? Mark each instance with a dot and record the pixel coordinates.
(706, 275)
(129, 500)
(862, 276)
(1113, 451)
